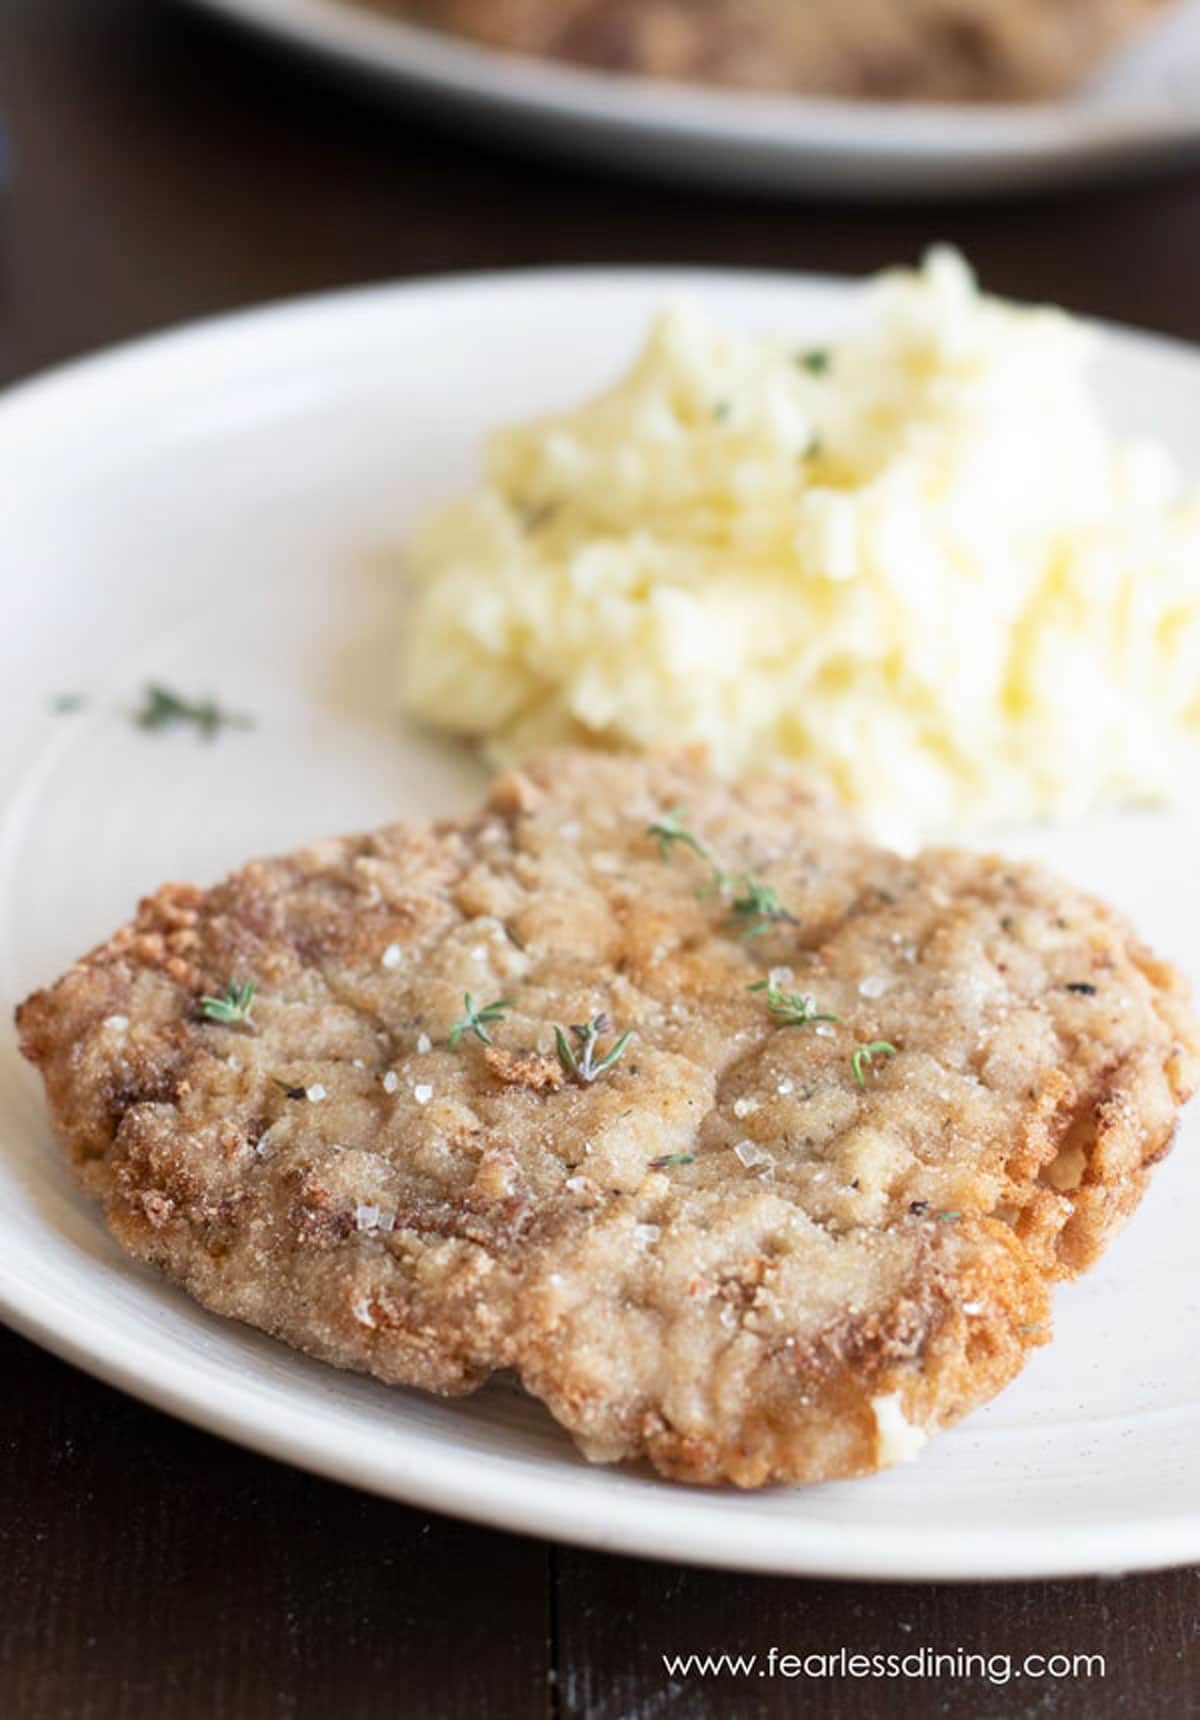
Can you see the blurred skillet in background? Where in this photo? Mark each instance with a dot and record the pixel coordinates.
(923, 120)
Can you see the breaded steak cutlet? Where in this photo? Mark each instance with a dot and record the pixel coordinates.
(811, 1209)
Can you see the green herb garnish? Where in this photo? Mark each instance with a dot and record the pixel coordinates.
(163, 709)
(947, 1217)
(232, 1010)
(790, 1008)
(866, 1055)
(580, 1060)
(671, 829)
(816, 360)
(477, 1021)
(757, 909)
(668, 1159)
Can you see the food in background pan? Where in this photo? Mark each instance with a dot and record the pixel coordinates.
(897, 50)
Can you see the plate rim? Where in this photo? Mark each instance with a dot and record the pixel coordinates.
(815, 1550)
(129, 355)
(755, 133)
(812, 1548)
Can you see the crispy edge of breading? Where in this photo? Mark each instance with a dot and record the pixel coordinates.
(962, 1362)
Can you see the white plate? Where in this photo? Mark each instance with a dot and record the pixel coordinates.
(1144, 108)
(219, 508)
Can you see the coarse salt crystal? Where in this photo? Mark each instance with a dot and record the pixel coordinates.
(647, 1233)
(392, 956)
(390, 1081)
(358, 1062)
(424, 1043)
(118, 1023)
(315, 1093)
(387, 1221)
(366, 1217)
(479, 953)
(422, 1092)
(750, 1154)
(362, 1311)
(744, 1107)
(786, 1086)
(577, 1185)
(972, 1307)
(825, 1029)
(781, 976)
(873, 986)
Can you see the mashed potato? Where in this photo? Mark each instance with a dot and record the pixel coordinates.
(915, 561)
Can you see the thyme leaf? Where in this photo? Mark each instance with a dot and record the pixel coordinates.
(666, 1160)
(671, 829)
(757, 909)
(865, 1056)
(477, 1021)
(163, 709)
(579, 1060)
(232, 1010)
(816, 360)
(790, 1008)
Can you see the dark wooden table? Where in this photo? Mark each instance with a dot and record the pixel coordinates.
(164, 168)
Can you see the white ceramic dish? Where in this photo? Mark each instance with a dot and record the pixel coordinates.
(1145, 108)
(219, 508)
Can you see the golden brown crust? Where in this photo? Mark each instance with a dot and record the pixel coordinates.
(933, 50)
(730, 1249)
